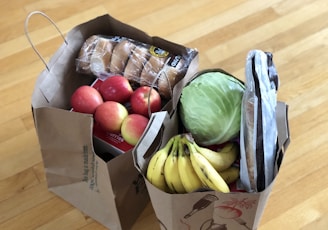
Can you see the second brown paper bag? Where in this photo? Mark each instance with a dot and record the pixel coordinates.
(205, 209)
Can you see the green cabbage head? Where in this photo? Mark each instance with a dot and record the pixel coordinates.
(210, 107)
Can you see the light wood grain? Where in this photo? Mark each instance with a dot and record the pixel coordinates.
(296, 32)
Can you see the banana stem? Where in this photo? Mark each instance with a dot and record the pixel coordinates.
(175, 145)
(169, 144)
(188, 137)
(181, 151)
(184, 144)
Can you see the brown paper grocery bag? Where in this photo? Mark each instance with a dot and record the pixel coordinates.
(77, 167)
(207, 209)
(204, 209)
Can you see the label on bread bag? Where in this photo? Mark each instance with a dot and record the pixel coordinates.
(158, 52)
(174, 61)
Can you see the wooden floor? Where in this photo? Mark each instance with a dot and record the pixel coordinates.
(296, 32)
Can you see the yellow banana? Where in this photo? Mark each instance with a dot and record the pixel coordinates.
(222, 159)
(206, 172)
(171, 171)
(155, 170)
(230, 174)
(189, 178)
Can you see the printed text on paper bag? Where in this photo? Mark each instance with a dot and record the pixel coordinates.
(90, 166)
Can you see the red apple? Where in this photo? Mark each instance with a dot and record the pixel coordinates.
(86, 99)
(133, 127)
(110, 116)
(144, 97)
(116, 88)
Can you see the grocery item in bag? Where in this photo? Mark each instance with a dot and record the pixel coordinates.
(141, 63)
(258, 134)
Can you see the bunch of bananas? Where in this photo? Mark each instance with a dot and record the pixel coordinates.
(182, 166)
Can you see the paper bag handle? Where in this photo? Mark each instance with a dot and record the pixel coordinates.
(28, 35)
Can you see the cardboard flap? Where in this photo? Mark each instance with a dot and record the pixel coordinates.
(283, 139)
(63, 148)
(161, 127)
(283, 125)
(150, 140)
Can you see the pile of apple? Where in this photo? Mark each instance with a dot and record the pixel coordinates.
(117, 107)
